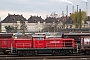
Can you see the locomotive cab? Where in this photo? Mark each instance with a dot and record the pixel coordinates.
(38, 41)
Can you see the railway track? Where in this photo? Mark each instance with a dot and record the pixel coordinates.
(45, 57)
(13, 57)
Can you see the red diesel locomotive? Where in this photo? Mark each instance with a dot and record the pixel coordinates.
(27, 45)
(37, 44)
(40, 45)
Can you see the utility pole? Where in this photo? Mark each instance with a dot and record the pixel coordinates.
(77, 18)
(87, 8)
(73, 9)
(80, 26)
(67, 10)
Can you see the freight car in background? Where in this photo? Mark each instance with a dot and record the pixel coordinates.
(85, 44)
(77, 38)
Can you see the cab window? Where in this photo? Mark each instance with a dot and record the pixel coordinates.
(39, 38)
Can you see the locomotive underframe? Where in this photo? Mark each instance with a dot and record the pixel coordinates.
(36, 51)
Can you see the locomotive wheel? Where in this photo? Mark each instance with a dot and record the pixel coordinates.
(61, 52)
(26, 53)
(86, 53)
(20, 53)
(55, 52)
(33, 53)
(67, 52)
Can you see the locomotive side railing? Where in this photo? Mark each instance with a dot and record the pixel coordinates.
(23, 45)
(53, 45)
(61, 44)
(67, 43)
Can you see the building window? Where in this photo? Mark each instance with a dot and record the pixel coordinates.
(70, 26)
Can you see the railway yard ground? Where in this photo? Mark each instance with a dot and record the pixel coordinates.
(45, 57)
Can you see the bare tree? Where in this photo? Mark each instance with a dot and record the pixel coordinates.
(23, 26)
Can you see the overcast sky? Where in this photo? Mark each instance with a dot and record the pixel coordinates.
(39, 7)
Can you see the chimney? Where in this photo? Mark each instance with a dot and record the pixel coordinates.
(67, 10)
(8, 14)
(73, 9)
